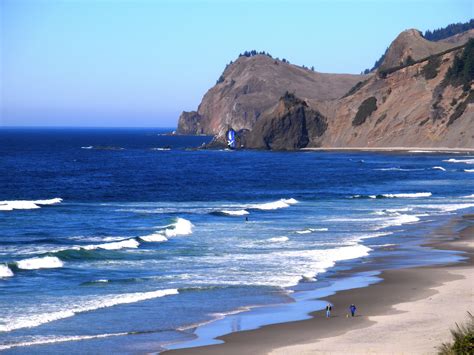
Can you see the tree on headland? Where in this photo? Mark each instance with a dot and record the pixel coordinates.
(448, 31)
(435, 35)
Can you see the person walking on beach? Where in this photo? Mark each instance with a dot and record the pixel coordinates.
(328, 310)
(352, 308)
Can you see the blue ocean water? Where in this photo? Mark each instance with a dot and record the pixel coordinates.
(126, 239)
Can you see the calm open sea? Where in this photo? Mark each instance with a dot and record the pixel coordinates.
(123, 240)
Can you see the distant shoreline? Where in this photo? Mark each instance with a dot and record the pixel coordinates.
(393, 149)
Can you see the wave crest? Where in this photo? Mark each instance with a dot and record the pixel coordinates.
(27, 204)
(180, 227)
(282, 203)
(5, 271)
(47, 262)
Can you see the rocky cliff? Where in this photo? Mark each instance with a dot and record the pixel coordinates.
(250, 86)
(415, 99)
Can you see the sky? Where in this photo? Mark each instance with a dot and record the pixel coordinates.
(139, 63)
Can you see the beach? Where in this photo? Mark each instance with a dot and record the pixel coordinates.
(143, 261)
(410, 311)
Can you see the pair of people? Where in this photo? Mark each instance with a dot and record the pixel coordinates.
(352, 309)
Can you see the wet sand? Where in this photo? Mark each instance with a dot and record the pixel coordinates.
(410, 311)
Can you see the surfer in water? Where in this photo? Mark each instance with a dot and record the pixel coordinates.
(246, 219)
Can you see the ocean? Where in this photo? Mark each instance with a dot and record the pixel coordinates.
(129, 240)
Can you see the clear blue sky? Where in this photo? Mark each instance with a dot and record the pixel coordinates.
(140, 63)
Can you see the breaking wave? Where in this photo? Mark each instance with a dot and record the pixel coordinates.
(398, 169)
(180, 227)
(311, 230)
(469, 170)
(283, 203)
(401, 195)
(5, 271)
(465, 161)
(155, 237)
(30, 321)
(278, 239)
(127, 243)
(27, 204)
(233, 212)
(438, 168)
(47, 262)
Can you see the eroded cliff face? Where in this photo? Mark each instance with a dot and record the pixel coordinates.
(410, 109)
(250, 86)
(410, 104)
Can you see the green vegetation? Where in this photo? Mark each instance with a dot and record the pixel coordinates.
(462, 70)
(435, 35)
(384, 72)
(463, 339)
(253, 53)
(448, 31)
(430, 70)
(365, 110)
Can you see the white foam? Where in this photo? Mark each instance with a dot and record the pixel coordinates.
(278, 240)
(47, 262)
(438, 168)
(408, 195)
(319, 260)
(449, 207)
(283, 203)
(155, 237)
(399, 220)
(403, 209)
(308, 277)
(384, 245)
(26, 204)
(469, 170)
(161, 149)
(466, 161)
(5, 271)
(180, 227)
(88, 147)
(127, 243)
(397, 169)
(235, 212)
(311, 230)
(305, 231)
(78, 306)
(58, 339)
(469, 196)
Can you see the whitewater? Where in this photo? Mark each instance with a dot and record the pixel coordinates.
(119, 248)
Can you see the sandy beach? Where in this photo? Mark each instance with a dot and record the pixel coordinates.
(409, 312)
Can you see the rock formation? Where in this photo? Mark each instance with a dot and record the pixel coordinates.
(411, 101)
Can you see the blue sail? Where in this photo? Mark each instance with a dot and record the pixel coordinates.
(231, 139)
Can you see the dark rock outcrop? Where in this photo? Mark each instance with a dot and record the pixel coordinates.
(190, 123)
(291, 125)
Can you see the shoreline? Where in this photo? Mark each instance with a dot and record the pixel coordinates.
(394, 312)
(392, 149)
